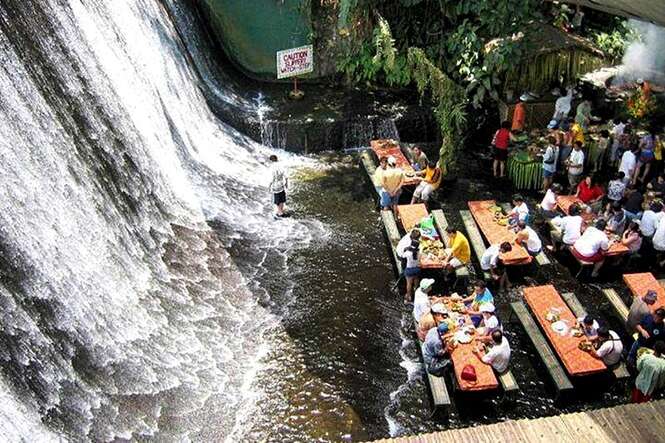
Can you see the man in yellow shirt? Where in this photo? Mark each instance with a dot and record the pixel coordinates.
(392, 180)
(459, 252)
(577, 133)
(429, 184)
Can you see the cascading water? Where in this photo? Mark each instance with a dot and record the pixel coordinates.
(122, 313)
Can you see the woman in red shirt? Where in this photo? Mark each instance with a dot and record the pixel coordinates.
(502, 139)
(590, 192)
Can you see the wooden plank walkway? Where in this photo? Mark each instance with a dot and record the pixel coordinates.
(630, 422)
(558, 374)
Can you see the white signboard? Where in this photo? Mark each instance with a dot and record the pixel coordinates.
(295, 61)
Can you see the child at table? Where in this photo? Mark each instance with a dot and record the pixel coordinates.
(489, 323)
(481, 295)
(520, 211)
(589, 327)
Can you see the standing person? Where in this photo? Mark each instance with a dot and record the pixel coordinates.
(639, 309)
(658, 154)
(392, 181)
(378, 173)
(500, 142)
(406, 241)
(650, 330)
(609, 347)
(592, 246)
(600, 152)
(459, 252)
(279, 182)
(645, 159)
(519, 117)
(548, 204)
(583, 116)
(420, 159)
(628, 163)
(528, 239)
(633, 203)
(550, 160)
(499, 354)
(568, 228)
(650, 220)
(562, 106)
(491, 261)
(412, 270)
(430, 183)
(575, 164)
(617, 132)
(650, 373)
(616, 188)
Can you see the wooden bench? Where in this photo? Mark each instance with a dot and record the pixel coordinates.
(557, 373)
(369, 165)
(541, 258)
(438, 388)
(574, 304)
(390, 226)
(462, 272)
(617, 304)
(508, 383)
(475, 238)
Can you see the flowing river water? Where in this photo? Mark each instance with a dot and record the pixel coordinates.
(146, 292)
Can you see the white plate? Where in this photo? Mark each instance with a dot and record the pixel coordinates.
(560, 327)
(462, 337)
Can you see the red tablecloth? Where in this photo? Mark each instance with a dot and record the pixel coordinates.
(640, 283)
(496, 233)
(577, 362)
(385, 148)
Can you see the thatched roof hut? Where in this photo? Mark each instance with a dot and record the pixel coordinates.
(548, 55)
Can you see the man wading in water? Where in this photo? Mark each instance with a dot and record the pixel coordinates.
(278, 184)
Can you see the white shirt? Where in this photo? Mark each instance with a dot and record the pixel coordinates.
(610, 351)
(571, 225)
(562, 106)
(490, 258)
(533, 243)
(404, 243)
(649, 222)
(421, 304)
(576, 160)
(522, 211)
(277, 179)
(592, 241)
(498, 356)
(593, 330)
(549, 201)
(659, 236)
(627, 165)
(618, 130)
(411, 261)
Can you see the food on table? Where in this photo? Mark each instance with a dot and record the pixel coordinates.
(576, 332)
(553, 315)
(585, 345)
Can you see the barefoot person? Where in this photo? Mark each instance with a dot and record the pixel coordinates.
(500, 143)
(278, 185)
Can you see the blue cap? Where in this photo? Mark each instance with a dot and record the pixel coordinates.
(553, 124)
(442, 328)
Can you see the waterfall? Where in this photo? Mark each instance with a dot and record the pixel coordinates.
(122, 313)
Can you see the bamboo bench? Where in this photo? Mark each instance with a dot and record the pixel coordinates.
(462, 273)
(556, 372)
(475, 239)
(574, 304)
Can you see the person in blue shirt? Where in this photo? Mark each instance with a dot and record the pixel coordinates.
(436, 350)
(481, 295)
(650, 330)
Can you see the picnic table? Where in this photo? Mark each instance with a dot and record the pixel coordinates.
(640, 283)
(496, 233)
(386, 148)
(411, 216)
(542, 299)
(463, 355)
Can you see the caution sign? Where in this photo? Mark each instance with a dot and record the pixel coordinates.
(295, 61)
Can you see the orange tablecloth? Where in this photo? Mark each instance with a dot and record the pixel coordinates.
(640, 283)
(495, 233)
(463, 355)
(411, 215)
(576, 361)
(564, 202)
(386, 148)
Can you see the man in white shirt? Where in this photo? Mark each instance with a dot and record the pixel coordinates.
(568, 229)
(650, 219)
(628, 163)
(499, 354)
(575, 165)
(421, 301)
(610, 348)
(278, 184)
(548, 205)
(528, 238)
(592, 245)
(489, 261)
